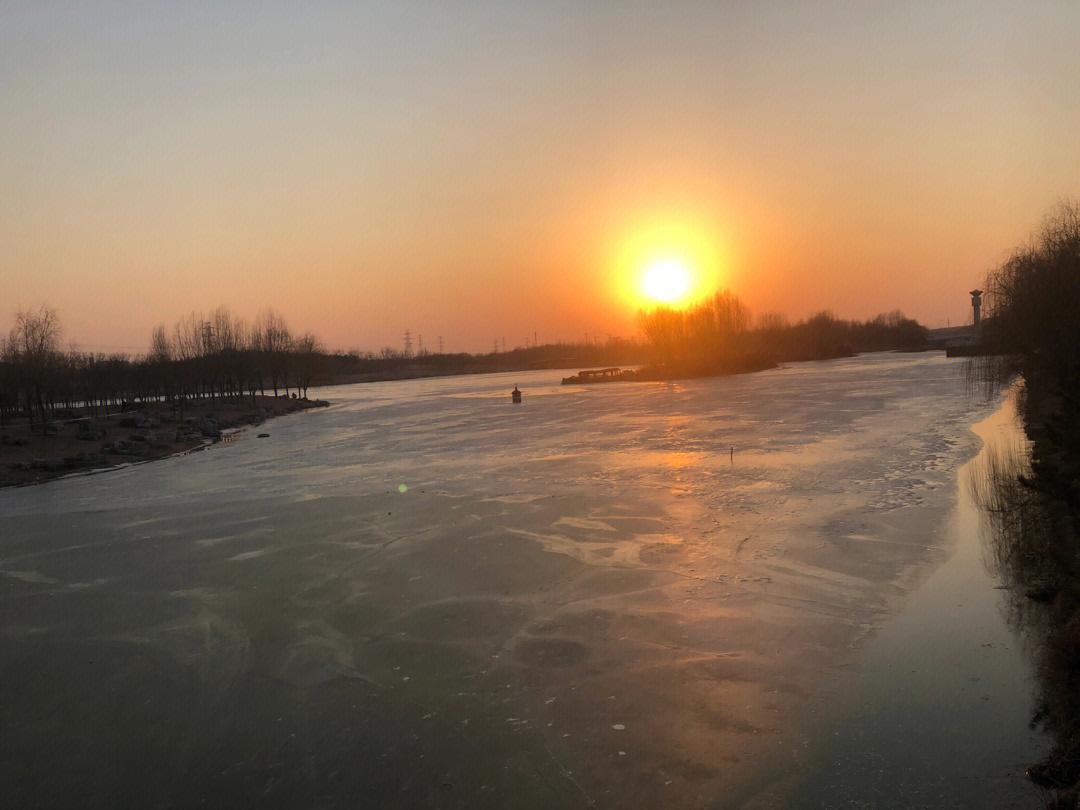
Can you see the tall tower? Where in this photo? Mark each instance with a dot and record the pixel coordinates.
(976, 305)
(408, 343)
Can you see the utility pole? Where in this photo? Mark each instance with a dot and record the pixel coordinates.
(421, 349)
(408, 343)
(504, 344)
(440, 344)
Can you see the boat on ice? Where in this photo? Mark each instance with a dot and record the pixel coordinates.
(597, 375)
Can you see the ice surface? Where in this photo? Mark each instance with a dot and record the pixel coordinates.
(276, 618)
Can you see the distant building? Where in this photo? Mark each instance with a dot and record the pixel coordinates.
(961, 341)
(948, 337)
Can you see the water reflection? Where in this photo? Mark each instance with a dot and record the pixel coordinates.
(1031, 548)
(939, 714)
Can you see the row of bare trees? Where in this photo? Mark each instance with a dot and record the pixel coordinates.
(1031, 303)
(707, 333)
(824, 335)
(221, 354)
(1031, 328)
(215, 355)
(718, 335)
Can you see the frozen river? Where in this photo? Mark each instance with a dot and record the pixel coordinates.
(628, 595)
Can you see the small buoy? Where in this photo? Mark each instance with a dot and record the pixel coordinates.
(263, 436)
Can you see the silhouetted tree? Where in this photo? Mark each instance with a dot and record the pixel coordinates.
(276, 342)
(35, 342)
(9, 381)
(704, 339)
(307, 350)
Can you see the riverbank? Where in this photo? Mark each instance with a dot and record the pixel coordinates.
(84, 443)
(1036, 498)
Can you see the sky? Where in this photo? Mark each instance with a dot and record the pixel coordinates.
(486, 171)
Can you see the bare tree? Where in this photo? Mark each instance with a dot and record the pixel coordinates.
(35, 343)
(307, 349)
(9, 381)
(276, 342)
(159, 359)
(228, 339)
(189, 346)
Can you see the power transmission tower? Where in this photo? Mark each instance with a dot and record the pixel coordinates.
(495, 347)
(504, 344)
(408, 343)
(440, 344)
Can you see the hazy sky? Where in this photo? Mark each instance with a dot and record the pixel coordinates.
(490, 170)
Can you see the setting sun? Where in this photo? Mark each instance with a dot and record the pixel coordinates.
(666, 280)
(674, 260)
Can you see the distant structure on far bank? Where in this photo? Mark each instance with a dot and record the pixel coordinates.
(961, 341)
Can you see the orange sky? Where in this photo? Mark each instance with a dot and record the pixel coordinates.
(486, 172)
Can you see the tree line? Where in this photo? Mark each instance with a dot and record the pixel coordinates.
(223, 355)
(1030, 302)
(202, 356)
(720, 336)
(1031, 330)
(390, 364)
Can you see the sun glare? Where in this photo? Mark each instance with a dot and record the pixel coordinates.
(668, 263)
(666, 280)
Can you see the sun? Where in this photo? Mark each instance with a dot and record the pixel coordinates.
(666, 280)
(672, 261)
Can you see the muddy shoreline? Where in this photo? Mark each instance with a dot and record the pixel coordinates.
(79, 442)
